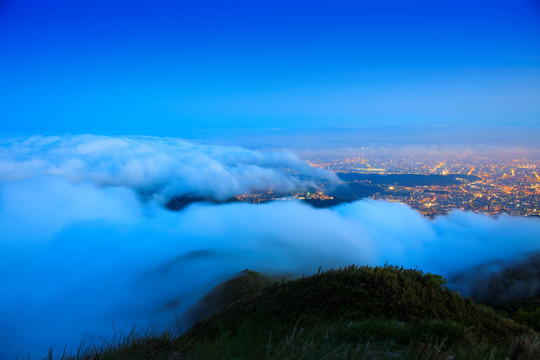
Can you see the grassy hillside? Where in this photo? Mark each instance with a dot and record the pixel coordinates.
(513, 288)
(244, 285)
(351, 313)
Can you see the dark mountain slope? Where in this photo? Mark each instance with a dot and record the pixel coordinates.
(351, 313)
(358, 293)
(511, 285)
(245, 284)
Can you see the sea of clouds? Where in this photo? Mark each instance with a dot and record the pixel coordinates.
(87, 248)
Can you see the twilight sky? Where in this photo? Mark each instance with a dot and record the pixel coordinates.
(170, 67)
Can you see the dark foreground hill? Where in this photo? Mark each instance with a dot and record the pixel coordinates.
(510, 285)
(351, 313)
(244, 285)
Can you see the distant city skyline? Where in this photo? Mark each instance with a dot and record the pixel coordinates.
(170, 67)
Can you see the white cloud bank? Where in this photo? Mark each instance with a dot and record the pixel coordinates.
(163, 167)
(80, 251)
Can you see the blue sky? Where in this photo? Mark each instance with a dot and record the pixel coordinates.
(166, 67)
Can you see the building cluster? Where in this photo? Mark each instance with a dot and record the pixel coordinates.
(271, 196)
(492, 186)
(501, 186)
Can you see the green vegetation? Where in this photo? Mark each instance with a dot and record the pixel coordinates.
(515, 291)
(351, 313)
(244, 285)
(530, 318)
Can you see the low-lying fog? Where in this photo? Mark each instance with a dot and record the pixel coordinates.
(87, 247)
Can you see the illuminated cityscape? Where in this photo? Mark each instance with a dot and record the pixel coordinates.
(432, 186)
